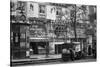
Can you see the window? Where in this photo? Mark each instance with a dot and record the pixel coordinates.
(22, 35)
(41, 8)
(12, 6)
(21, 5)
(16, 38)
(52, 10)
(58, 12)
(31, 7)
(11, 36)
(12, 17)
(22, 44)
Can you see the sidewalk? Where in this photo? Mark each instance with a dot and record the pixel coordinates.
(38, 57)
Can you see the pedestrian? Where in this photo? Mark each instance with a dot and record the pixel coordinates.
(31, 51)
(71, 54)
(94, 52)
(89, 50)
(27, 53)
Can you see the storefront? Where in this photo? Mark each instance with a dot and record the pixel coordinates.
(38, 46)
(82, 42)
(19, 40)
(55, 47)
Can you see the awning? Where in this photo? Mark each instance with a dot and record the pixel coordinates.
(39, 39)
(58, 42)
(76, 42)
(18, 23)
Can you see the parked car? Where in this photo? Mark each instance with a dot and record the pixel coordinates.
(78, 50)
(67, 54)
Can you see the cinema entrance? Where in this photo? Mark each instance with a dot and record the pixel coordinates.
(38, 47)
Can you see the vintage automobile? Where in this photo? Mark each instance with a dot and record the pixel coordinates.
(78, 50)
(71, 51)
(66, 51)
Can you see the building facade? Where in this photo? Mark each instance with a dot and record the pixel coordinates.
(19, 30)
(42, 28)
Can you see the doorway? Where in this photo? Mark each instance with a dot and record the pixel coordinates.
(58, 49)
(34, 47)
(38, 47)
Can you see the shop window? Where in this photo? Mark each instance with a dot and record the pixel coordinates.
(22, 44)
(41, 8)
(23, 29)
(11, 36)
(16, 38)
(41, 50)
(22, 35)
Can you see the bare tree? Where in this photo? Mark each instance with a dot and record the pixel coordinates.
(77, 14)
